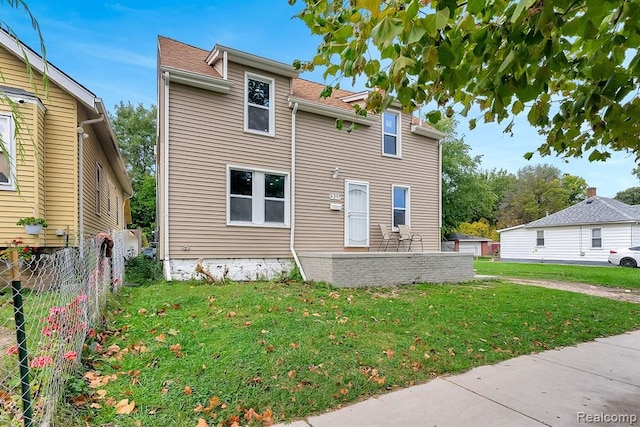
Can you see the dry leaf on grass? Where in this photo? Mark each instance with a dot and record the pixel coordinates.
(124, 407)
(202, 423)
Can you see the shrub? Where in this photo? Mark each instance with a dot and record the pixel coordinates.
(143, 271)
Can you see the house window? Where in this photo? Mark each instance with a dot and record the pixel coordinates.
(596, 237)
(108, 198)
(7, 154)
(391, 134)
(98, 189)
(540, 238)
(400, 203)
(257, 197)
(259, 110)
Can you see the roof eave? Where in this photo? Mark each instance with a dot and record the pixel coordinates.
(250, 60)
(329, 111)
(429, 133)
(120, 167)
(197, 80)
(626, 221)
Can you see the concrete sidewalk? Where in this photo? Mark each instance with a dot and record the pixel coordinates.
(595, 383)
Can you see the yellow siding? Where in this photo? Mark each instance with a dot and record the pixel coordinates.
(93, 154)
(206, 131)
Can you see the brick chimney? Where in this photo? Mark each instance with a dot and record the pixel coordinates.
(591, 192)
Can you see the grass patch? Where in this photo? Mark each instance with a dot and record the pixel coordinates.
(617, 277)
(223, 353)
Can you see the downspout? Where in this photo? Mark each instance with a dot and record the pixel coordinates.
(292, 220)
(80, 130)
(165, 262)
(440, 193)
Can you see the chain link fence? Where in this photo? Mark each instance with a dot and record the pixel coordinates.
(62, 296)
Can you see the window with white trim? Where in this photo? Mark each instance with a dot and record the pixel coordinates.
(596, 237)
(98, 189)
(391, 141)
(7, 153)
(400, 203)
(539, 237)
(257, 197)
(259, 114)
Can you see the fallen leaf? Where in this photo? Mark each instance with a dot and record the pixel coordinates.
(231, 314)
(124, 407)
(198, 408)
(95, 406)
(142, 311)
(101, 394)
(291, 374)
(80, 400)
(187, 390)
(173, 332)
(294, 345)
(202, 423)
(161, 337)
(175, 347)
(390, 353)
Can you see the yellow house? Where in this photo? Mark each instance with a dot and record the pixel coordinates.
(59, 159)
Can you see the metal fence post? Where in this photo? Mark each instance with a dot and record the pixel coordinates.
(21, 339)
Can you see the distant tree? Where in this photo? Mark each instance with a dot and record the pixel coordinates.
(539, 190)
(501, 183)
(630, 196)
(466, 195)
(636, 172)
(135, 128)
(481, 228)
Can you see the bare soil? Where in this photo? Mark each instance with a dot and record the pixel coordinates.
(620, 294)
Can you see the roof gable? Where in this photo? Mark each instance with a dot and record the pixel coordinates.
(594, 210)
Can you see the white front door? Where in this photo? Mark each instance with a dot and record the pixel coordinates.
(356, 224)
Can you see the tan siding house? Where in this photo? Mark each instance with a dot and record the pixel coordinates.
(251, 168)
(64, 132)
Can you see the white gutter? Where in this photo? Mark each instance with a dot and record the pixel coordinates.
(165, 262)
(293, 192)
(80, 130)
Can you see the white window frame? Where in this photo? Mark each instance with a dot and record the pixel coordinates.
(258, 197)
(98, 189)
(272, 108)
(407, 209)
(600, 238)
(538, 238)
(109, 197)
(398, 133)
(9, 144)
(117, 210)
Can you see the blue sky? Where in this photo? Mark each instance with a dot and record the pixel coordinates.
(110, 48)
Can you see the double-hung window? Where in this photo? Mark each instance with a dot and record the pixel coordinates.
(259, 114)
(257, 197)
(596, 237)
(539, 237)
(7, 153)
(98, 189)
(400, 195)
(391, 142)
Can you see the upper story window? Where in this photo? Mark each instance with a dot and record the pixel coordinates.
(596, 237)
(391, 141)
(98, 189)
(400, 205)
(7, 154)
(539, 237)
(257, 197)
(259, 114)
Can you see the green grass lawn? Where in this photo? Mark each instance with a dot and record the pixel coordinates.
(224, 353)
(595, 275)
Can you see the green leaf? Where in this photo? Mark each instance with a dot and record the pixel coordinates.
(507, 61)
(434, 116)
(339, 124)
(474, 7)
(386, 30)
(517, 107)
(472, 124)
(528, 155)
(446, 56)
(522, 5)
(416, 33)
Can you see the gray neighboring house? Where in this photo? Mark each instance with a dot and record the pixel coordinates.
(583, 233)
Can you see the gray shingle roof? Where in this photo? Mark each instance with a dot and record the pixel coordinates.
(594, 210)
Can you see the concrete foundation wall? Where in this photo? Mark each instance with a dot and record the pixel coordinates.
(235, 269)
(344, 269)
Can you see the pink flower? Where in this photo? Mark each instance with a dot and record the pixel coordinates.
(82, 298)
(55, 310)
(91, 333)
(46, 331)
(12, 350)
(41, 362)
(70, 355)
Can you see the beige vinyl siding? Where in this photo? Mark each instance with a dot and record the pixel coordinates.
(160, 172)
(320, 148)
(206, 131)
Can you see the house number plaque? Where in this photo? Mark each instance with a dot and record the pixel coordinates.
(334, 196)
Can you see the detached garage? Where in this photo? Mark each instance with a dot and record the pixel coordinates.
(464, 243)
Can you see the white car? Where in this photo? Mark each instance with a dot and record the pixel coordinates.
(626, 257)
